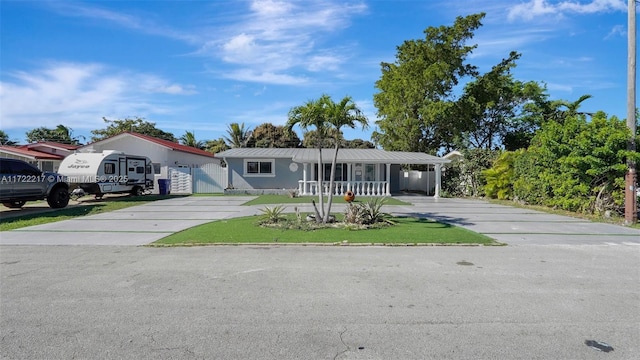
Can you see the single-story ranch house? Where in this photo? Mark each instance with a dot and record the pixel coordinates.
(368, 172)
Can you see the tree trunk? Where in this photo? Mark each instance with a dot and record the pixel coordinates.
(331, 183)
(320, 187)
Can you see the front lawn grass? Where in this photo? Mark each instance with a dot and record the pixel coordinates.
(285, 199)
(90, 207)
(246, 230)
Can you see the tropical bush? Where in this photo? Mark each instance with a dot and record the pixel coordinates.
(367, 213)
(577, 165)
(500, 177)
(272, 214)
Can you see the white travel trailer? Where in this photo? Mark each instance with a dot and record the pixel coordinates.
(108, 172)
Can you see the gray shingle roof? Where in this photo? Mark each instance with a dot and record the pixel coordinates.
(371, 156)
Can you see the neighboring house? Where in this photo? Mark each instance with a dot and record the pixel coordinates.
(171, 160)
(370, 172)
(46, 155)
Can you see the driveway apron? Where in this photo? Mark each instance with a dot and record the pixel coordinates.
(136, 225)
(517, 226)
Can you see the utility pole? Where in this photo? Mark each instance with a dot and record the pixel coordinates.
(630, 201)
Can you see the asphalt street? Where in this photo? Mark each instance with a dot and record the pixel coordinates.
(295, 302)
(91, 292)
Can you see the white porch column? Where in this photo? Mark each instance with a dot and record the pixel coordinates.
(349, 187)
(388, 180)
(438, 168)
(304, 178)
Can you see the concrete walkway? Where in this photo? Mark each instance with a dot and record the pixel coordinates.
(143, 224)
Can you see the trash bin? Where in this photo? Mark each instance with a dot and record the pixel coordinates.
(164, 186)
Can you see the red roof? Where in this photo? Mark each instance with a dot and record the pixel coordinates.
(166, 143)
(23, 151)
(51, 144)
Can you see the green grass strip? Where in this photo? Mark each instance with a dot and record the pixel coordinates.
(246, 230)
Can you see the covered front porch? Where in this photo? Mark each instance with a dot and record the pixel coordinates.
(365, 173)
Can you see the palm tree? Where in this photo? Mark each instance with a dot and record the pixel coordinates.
(189, 139)
(312, 113)
(344, 113)
(327, 117)
(238, 135)
(216, 146)
(571, 108)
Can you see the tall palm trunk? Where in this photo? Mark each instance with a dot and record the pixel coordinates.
(320, 214)
(331, 183)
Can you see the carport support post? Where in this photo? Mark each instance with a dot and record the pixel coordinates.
(388, 180)
(438, 169)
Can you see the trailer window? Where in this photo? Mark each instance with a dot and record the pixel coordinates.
(148, 169)
(139, 169)
(109, 168)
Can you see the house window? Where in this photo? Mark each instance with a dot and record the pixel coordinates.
(156, 168)
(109, 168)
(341, 172)
(259, 168)
(369, 172)
(47, 166)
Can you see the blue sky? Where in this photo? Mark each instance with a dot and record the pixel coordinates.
(201, 65)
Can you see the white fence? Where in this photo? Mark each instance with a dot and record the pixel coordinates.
(359, 188)
(207, 179)
(414, 180)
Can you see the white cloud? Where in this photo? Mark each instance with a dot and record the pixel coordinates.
(617, 30)
(276, 37)
(79, 95)
(102, 15)
(265, 77)
(537, 8)
(269, 39)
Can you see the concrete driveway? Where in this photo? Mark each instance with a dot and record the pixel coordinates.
(516, 226)
(143, 224)
(136, 225)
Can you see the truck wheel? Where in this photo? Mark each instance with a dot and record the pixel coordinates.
(137, 191)
(58, 197)
(14, 204)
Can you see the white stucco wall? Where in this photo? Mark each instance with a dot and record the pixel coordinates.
(157, 153)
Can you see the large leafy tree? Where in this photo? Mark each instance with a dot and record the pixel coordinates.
(268, 135)
(61, 134)
(490, 106)
(415, 100)
(238, 135)
(4, 139)
(358, 144)
(138, 125)
(189, 139)
(311, 139)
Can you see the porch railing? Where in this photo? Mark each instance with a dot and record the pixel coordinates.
(359, 188)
